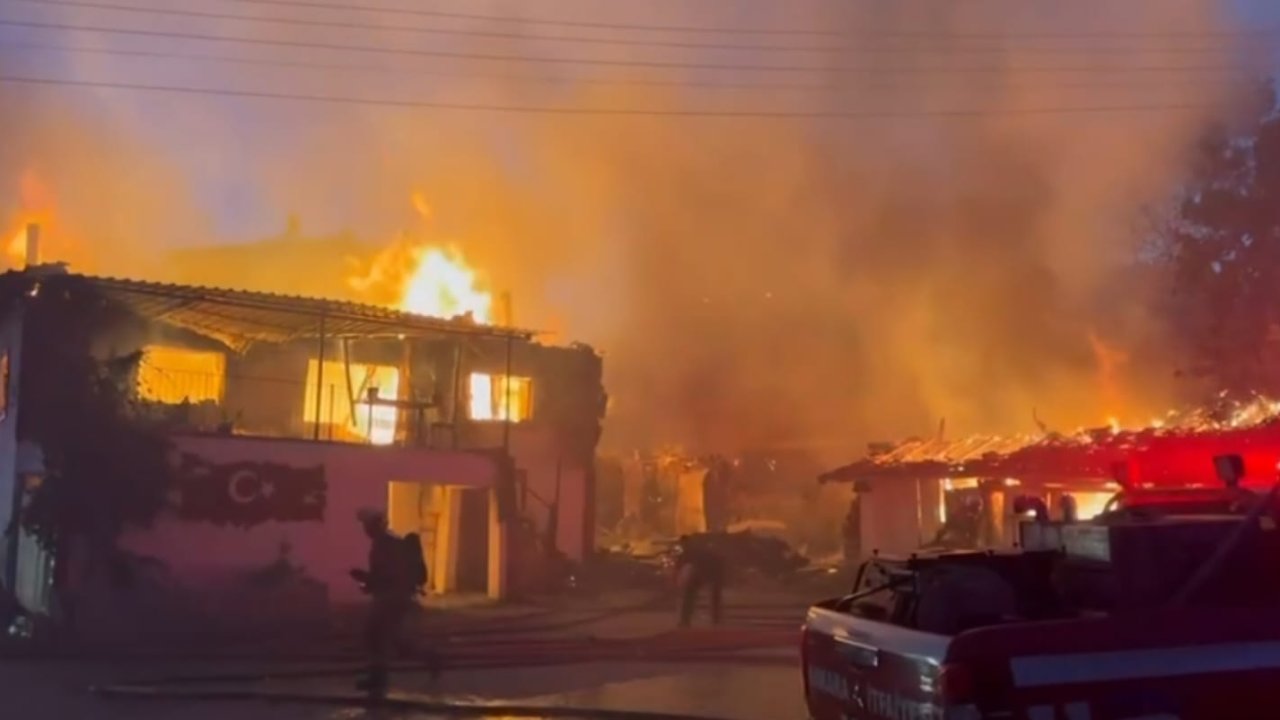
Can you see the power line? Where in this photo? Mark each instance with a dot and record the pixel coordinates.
(608, 112)
(348, 25)
(727, 30)
(378, 27)
(646, 64)
(1098, 84)
(414, 71)
(415, 12)
(403, 51)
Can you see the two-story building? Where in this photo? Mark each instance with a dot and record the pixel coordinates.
(290, 414)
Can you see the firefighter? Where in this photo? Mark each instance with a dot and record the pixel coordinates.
(390, 586)
(700, 564)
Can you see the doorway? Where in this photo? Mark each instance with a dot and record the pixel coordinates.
(473, 542)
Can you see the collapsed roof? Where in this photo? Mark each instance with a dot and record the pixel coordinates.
(1178, 451)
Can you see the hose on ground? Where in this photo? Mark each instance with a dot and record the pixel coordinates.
(714, 647)
(393, 703)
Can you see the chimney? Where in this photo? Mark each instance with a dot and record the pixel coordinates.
(506, 315)
(33, 244)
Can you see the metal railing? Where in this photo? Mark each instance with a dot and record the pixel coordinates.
(266, 406)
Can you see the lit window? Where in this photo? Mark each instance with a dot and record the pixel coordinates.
(360, 421)
(173, 375)
(1091, 504)
(494, 396)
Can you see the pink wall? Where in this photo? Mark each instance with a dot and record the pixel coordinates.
(535, 451)
(356, 476)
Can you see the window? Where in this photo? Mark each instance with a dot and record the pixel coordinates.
(172, 375)
(1091, 504)
(359, 421)
(493, 395)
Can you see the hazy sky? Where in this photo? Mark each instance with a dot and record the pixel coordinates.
(228, 188)
(960, 258)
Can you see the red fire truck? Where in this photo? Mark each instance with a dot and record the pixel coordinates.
(1166, 606)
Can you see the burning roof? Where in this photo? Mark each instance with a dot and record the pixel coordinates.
(239, 318)
(1176, 449)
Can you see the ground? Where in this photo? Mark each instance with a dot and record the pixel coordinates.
(605, 655)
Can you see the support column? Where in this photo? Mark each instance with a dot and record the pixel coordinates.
(929, 500)
(447, 537)
(498, 574)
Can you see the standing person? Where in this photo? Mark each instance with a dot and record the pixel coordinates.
(389, 582)
(700, 564)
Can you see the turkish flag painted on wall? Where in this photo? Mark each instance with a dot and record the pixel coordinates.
(248, 493)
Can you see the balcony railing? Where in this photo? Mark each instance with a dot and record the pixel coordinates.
(266, 406)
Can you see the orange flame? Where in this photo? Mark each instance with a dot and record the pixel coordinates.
(1110, 362)
(423, 279)
(35, 206)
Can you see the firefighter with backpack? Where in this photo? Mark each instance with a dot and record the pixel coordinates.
(396, 576)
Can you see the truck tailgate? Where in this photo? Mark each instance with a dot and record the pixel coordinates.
(1164, 664)
(1190, 664)
(862, 669)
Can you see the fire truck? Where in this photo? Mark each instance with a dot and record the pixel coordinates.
(1167, 605)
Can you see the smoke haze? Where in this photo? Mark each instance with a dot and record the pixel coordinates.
(949, 253)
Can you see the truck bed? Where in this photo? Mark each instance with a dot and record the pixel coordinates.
(1185, 663)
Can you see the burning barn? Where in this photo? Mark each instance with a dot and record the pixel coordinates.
(963, 493)
(286, 415)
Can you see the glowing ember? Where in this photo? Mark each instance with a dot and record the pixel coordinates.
(425, 279)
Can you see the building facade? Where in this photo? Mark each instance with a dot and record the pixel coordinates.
(288, 414)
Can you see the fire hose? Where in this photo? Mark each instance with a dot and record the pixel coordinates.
(395, 703)
(717, 647)
(480, 629)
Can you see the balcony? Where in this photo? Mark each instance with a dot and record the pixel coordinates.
(321, 406)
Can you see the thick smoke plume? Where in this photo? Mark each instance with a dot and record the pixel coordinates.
(950, 252)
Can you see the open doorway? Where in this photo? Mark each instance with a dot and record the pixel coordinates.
(452, 523)
(473, 542)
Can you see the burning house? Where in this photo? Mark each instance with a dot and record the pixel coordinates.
(669, 493)
(286, 415)
(926, 492)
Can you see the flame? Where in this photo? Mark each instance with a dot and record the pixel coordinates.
(421, 205)
(443, 286)
(16, 249)
(1111, 362)
(428, 280)
(35, 206)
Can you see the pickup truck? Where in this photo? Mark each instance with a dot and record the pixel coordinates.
(977, 635)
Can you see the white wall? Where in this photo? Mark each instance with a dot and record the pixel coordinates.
(898, 515)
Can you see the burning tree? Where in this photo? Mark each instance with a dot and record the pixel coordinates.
(1223, 244)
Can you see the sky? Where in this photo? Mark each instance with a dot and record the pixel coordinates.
(953, 256)
(229, 190)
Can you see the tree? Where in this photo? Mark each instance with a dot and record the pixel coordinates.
(105, 466)
(1223, 244)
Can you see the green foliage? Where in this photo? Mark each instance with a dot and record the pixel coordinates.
(1224, 246)
(105, 468)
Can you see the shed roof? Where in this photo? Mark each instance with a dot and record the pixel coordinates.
(240, 318)
(1241, 426)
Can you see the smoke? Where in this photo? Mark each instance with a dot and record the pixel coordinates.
(958, 246)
